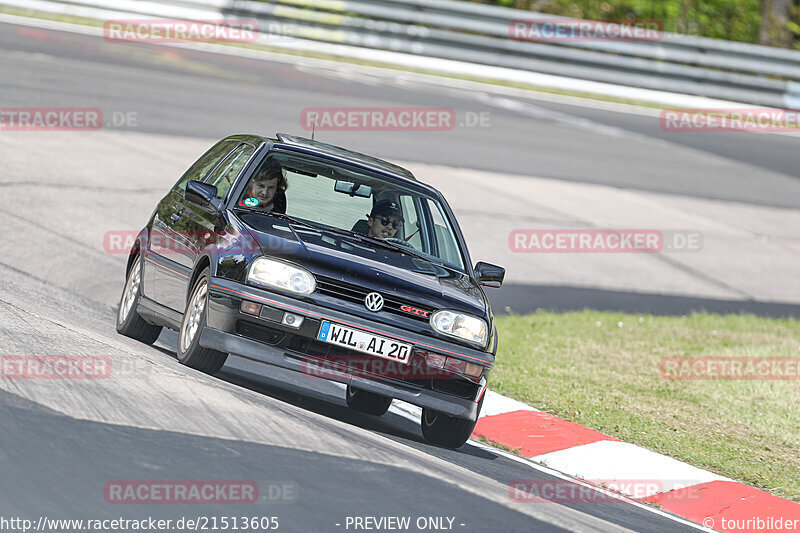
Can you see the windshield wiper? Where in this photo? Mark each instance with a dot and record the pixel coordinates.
(387, 245)
(364, 238)
(282, 216)
(400, 248)
(287, 218)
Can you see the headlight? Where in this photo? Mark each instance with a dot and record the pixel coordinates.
(280, 275)
(455, 324)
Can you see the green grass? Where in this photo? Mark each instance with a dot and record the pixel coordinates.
(601, 370)
(515, 451)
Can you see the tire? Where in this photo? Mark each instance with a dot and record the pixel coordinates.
(190, 353)
(367, 402)
(448, 431)
(129, 323)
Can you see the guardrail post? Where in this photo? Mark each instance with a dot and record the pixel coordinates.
(791, 98)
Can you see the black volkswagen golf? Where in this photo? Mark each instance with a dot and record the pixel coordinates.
(310, 257)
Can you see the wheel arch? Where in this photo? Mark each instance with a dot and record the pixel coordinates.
(202, 263)
(136, 249)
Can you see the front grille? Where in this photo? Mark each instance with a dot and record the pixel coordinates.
(356, 294)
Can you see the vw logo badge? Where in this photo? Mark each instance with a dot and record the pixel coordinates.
(373, 302)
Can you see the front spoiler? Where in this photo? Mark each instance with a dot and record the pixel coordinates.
(256, 351)
(223, 309)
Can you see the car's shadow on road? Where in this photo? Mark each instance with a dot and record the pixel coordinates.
(322, 397)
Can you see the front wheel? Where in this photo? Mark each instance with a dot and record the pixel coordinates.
(129, 323)
(448, 431)
(190, 353)
(367, 402)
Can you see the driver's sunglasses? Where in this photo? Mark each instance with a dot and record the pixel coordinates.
(386, 221)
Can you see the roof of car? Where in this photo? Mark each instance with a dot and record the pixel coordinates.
(343, 154)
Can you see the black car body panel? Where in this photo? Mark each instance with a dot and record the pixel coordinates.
(182, 238)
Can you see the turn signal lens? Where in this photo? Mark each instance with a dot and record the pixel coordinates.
(473, 370)
(455, 365)
(251, 308)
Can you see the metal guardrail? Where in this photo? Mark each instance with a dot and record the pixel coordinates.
(479, 33)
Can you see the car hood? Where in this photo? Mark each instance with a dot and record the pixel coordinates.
(345, 259)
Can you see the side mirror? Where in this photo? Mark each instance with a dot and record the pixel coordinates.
(202, 194)
(489, 275)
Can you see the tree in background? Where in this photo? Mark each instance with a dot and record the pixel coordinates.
(775, 18)
(773, 22)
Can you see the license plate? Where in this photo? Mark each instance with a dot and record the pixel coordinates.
(364, 342)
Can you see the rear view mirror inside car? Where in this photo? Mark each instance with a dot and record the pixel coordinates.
(353, 189)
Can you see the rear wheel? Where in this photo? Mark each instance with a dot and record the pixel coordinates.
(444, 430)
(367, 402)
(190, 353)
(129, 323)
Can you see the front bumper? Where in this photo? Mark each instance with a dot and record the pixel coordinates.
(268, 341)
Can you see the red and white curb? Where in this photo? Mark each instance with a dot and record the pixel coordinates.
(700, 496)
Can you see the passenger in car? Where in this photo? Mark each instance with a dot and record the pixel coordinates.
(266, 189)
(384, 220)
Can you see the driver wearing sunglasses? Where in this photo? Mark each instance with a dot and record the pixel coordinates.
(384, 220)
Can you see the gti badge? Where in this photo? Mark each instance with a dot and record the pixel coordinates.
(414, 311)
(373, 302)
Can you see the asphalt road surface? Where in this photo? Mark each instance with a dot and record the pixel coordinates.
(152, 419)
(183, 93)
(190, 93)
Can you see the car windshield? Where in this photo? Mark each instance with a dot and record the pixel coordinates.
(341, 198)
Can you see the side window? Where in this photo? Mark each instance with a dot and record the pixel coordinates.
(202, 166)
(443, 233)
(412, 220)
(227, 172)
